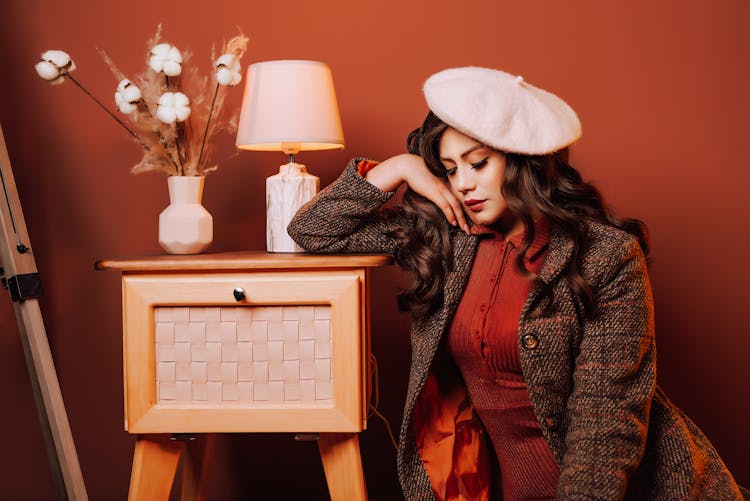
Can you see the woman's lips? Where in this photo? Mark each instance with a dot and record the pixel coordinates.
(474, 204)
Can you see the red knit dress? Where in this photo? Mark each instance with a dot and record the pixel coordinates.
(483, 340)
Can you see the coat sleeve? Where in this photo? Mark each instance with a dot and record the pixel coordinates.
(613, 384)
(346, 217)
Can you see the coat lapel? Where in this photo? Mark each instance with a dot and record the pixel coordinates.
(559, 255)
(430, 332)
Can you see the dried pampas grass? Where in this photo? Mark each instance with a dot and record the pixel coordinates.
(182, 147)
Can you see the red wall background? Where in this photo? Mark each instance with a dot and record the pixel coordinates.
(661, 89)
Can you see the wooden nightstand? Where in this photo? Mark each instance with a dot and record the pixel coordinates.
(244, 342)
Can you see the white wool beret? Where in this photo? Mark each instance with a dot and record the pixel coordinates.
(502, 110)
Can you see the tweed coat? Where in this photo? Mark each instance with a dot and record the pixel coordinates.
(592, 382)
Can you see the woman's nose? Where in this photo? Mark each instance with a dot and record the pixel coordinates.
(462, 180)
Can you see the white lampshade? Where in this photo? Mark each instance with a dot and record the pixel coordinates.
(289, 103)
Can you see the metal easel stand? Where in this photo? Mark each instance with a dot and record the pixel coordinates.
(19, 275)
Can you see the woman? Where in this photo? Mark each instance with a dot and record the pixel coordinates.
(533, 355)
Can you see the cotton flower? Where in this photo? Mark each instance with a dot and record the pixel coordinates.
(228, 70)
(127, 96)
(54, 65)
(167, 59)
(173, 107)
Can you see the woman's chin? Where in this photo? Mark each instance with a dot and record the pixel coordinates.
(504, 220)
(485, 217)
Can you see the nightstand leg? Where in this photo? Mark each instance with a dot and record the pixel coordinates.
(154, 465)
(343, 466)
(195, 467)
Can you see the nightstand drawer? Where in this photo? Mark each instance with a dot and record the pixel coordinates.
(287, 354)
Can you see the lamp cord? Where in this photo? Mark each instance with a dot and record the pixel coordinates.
(373, 406)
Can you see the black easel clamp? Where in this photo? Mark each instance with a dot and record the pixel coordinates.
(182, 437)
(22, 287)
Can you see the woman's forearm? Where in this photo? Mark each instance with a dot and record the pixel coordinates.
(344, 218)
(387, 175)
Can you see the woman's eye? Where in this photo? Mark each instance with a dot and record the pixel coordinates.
(480, 164)
(450, 172)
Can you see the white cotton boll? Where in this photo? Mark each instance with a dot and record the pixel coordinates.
(59, 58)
(158, 56)
(174, 54)
(133, 94)
(167, 99)
(165, 108)
(129, 91)
(127, 96)
(124, 83)
(180, 100)
(154, 62)
(172, 69)
(182, 113)
(236, 76)
(181, 106)
(173, 106)
(119, 101)
(47, 70)
(54, 65)
(224, 60)
(224, 76)
(161, 50)
(166, 114)
(228, 70)
(167, 59)
(124, 105)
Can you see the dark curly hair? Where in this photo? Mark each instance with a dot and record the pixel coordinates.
(532, 184)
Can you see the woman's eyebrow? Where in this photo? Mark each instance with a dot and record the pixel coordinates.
(465, 153)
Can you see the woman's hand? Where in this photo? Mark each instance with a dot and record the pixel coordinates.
(411, 169)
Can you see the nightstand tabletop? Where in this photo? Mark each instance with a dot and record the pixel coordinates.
(242, 260)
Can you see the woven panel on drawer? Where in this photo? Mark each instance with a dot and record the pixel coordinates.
(244, 355)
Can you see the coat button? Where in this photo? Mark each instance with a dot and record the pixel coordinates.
(529, 341)
(550, 422)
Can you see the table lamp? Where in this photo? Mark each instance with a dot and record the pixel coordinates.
(288, 106)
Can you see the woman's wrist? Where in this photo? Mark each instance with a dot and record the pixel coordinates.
(386, 175)
(364, 166)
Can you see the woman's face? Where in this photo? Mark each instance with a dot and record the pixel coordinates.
(475, 174)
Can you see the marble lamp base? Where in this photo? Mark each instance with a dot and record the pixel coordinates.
(286, 192)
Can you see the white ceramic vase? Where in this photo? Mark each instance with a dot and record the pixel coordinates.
(185, 226)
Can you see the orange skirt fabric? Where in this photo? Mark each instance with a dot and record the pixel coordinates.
(451, 442)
